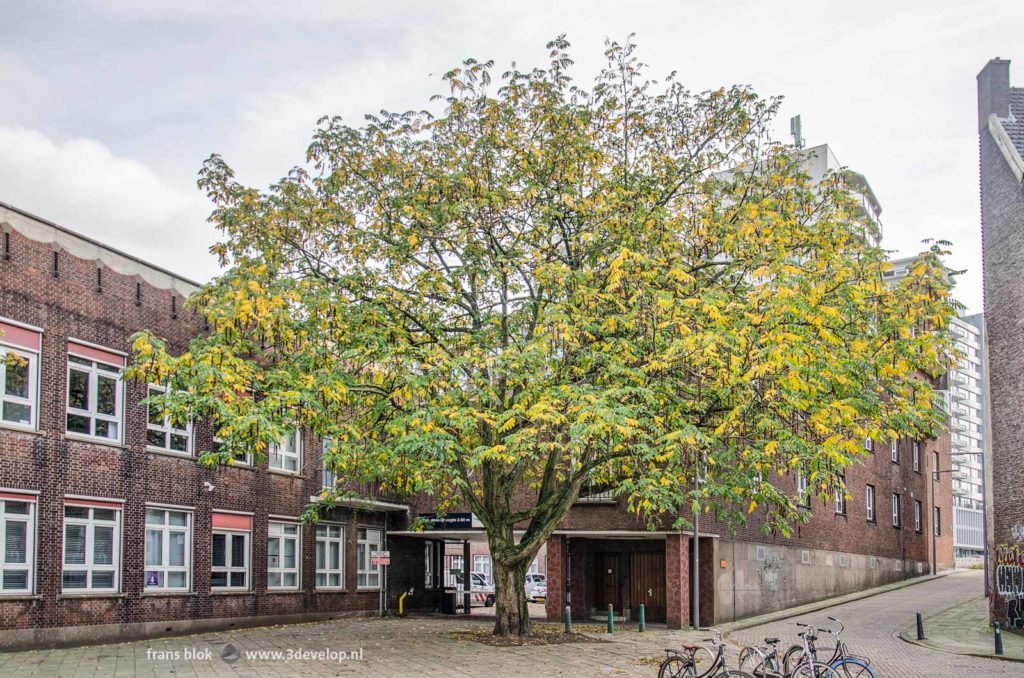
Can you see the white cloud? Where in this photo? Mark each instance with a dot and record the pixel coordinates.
(83, 186)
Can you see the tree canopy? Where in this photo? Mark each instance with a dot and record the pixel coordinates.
(541, 285)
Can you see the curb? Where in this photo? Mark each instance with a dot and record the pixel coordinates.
(908, 635)
(809, 608)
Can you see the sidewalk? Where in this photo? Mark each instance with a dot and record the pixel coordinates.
(964, 629)
(808, 608)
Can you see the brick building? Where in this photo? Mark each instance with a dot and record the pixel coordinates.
(1001, 145)
(111, 529)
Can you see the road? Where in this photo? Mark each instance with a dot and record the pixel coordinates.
(873, 626)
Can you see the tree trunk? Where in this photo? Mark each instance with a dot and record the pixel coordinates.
(512, 616)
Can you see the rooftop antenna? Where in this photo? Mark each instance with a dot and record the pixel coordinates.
(796, 132)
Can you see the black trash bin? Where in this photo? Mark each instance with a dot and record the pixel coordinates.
(448, 600)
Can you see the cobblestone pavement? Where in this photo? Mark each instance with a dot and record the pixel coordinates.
(965, 629)
(425, 647)
(873, 626)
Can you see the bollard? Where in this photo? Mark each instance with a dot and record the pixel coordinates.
(643, 619)
(920, 627)
(999, 639)
(611, 620)
(568, 619)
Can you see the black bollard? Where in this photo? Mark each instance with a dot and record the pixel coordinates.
(920, 627)
(999, 639)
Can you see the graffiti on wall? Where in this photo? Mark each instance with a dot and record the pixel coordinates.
(1010, 582)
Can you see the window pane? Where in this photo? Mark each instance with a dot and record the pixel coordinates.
(154, 517)
(103, 580)
(17, 376)
(15, 542)
(273, 553)
(154, 410)
(289, 553)
(177, 518)
(15, 580)
(154, 547)
(78, 390)
(155, 579)
(17, 413)
(335, 580)
(238, 551)
(106, 429)
(103, 514)
(177, 549)
(333, 549)
(273, 579)
(321, 580)
(238, 579)
(106, 395)
(18, 507)
(291, 579)
(320, 555)
(75, 580)
(219, 579)
(176, 580)
(78, 424)
(156, 438)
(220, 550)
(74, 544)
(103, 545)
(179, 443)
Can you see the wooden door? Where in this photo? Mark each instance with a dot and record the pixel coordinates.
(607, 583)
(647, 585)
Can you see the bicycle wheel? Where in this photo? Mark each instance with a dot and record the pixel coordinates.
(853, 668)
(794, 655)
(814, 670)
(703, 663)
(753, 662)
(676, 667)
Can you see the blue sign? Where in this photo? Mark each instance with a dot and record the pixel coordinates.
(449, 521)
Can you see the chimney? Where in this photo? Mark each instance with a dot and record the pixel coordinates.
(993, 91)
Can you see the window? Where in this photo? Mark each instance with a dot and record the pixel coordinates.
(841, 497)
(935, 466)
(330, 556)
(368, 543)
(869, 502)
(917, 456)
(168, 550)
(18, 378)
(917, 516)
(330, 476)
(897, 510)
(869, 445)
(94, 393)
(482, 564)
(92, 547)
(17, 539)
(164, 433)
(803, 497)
(287, 455)
(230, 562)
(239, 458)
(894, 450)
(283, 556)
(936, 521)
(428, 565)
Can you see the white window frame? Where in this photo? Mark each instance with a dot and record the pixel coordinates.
(166, 530)
(89, 567)
(486, 560)
(328, 541)
(276, 451)
(327, 473)
(279, 531)
(869, 502)
(869, 445)
(30, 545)
(93, 370)
(894, 450)
(32, 401)
(897, 510)
(230, 567)
(167, 429)
(917, 456)
(935, 471)
(363, 548)
(428, 565)
(802, 483)
(841, 500)
(936, 521)
(243, 460)
(918, 516)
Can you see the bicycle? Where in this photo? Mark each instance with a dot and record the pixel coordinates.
(845, 664)
(808, 666)
(683, 664)
(762, 663)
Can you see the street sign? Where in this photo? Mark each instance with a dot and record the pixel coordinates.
(381, 558)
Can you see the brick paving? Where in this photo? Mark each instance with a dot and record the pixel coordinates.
(873, 626)
(425, 647)
(965, 629)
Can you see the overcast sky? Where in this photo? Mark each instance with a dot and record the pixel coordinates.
(108, 107)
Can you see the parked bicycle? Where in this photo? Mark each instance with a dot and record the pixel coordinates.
(684, 663)
(763, 662)
(839, 659)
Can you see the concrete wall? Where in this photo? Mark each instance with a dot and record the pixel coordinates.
(760, 578)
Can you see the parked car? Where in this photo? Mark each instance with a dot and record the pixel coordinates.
(540, 593)
(481, 592)
(533, 582)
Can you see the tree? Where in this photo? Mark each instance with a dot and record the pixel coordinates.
(544, 288)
